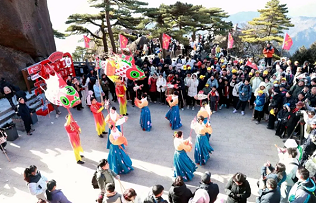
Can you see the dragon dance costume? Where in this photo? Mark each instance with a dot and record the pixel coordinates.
(73, 131)
(98, 117)
(120, 90)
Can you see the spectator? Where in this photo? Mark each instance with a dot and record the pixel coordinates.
(161, 84)
(212, 82)
(255, 82)
(277, 173)
(8, 90)
(296, 89)
(129, 196)
(244, 96)
(35, 182)
(104, 174)
(259, 104)
(282, 117)
(211, 188)
(155, 195)
(213, 97)
(25, 113)
(238, 189)
(111, 196)
(98, 92)
(178, 192)
(200, 196)
(78, 88)
(304, 189)
(268, 54)
(153, 87)
(274, 106)
(269, 194)
(105, 86)
(53, 195)
(291, 166)
(192, 91)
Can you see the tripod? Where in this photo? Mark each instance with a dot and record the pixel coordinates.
(301, 122)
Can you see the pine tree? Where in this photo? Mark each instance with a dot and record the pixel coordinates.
(114, 16)
(270, 25)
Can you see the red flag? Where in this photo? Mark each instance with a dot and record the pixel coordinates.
(165, 41)
(123, 41)
(288, 42)
(252, 65)
(86, 41)
(230, 41)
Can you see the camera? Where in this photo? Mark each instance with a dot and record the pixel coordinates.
(299, 113)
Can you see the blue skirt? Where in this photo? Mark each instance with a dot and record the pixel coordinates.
(109, 143)
(202, 150)
(183, 165)
(145, 119)
(173, 115)
(207, 134)
(119, 161)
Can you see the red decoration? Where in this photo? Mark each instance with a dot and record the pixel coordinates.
(287, 43)
(123, 41)
(165, 41)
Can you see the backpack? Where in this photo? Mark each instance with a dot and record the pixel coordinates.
(7, 90)
(312, 197)
(94, 181)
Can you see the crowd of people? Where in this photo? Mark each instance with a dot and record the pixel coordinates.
(279, 93)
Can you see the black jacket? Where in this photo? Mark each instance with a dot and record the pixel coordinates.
(179, 194)
(269, 196)
(153, 199)
(212, 190)
(237, 193)
(24, 112)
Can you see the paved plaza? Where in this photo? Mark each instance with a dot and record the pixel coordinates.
(240, 146)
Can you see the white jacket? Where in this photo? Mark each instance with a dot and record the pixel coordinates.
(255, 82)
(161, 82)
(39, 187)
(192, 84)
(235, 90)
(290, 168)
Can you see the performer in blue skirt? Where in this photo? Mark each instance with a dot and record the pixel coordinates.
(183, 165)
(145, 118)
(113, 118)
(173, 115)
(119, 161)
(202, 147)
(206, 112)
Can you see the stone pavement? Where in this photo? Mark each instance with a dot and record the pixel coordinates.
(240, 146)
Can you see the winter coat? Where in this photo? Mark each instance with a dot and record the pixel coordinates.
(179, 194)
(58, 197)
(201, 84)
(24, 112)
(235, 89)
(291, 166)
(161, 82)
(237, 193)
(273, 175)
(104, 177)
(299, 194)
(255, 83)
(152, 199)
(289, 100)
(295, 90)
(268, 53)
(193, 84)
(260, 101)
(153, 86)
(117, 198)
(276, 101)
(244, 92)
(90, 94)
(212, 190)
(212, 83)
(269, 196)
(265, 91)
(200, 196)
(37, 184)
(130, 85)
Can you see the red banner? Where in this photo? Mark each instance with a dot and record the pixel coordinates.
(86, 41)
(287, 43)
(230, 41)
(123, 41)
(34, 69)
(165, 41)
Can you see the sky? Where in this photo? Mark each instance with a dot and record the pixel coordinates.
(60, 10)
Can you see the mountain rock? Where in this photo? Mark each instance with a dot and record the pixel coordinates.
(26, 37)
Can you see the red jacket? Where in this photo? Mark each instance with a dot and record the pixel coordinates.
(268, 53)
(152, 82)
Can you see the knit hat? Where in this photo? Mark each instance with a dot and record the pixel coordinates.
(206, 177)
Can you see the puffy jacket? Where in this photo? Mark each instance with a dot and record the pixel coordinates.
(269, 196)
(212, 83)
(242, 192)
(212, 190)
(301, 192)
(244, 92)
(235, 89)
(58, 197)
(179, 194)
(37, 184)
(268, 53)
(193, 84)
(161, 82)
(255, 83)
(260, 101)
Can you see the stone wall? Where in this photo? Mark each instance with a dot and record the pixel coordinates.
(26, 36)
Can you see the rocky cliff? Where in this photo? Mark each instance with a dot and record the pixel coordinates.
(26, 37)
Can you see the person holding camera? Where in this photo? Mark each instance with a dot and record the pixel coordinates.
(268, 52)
